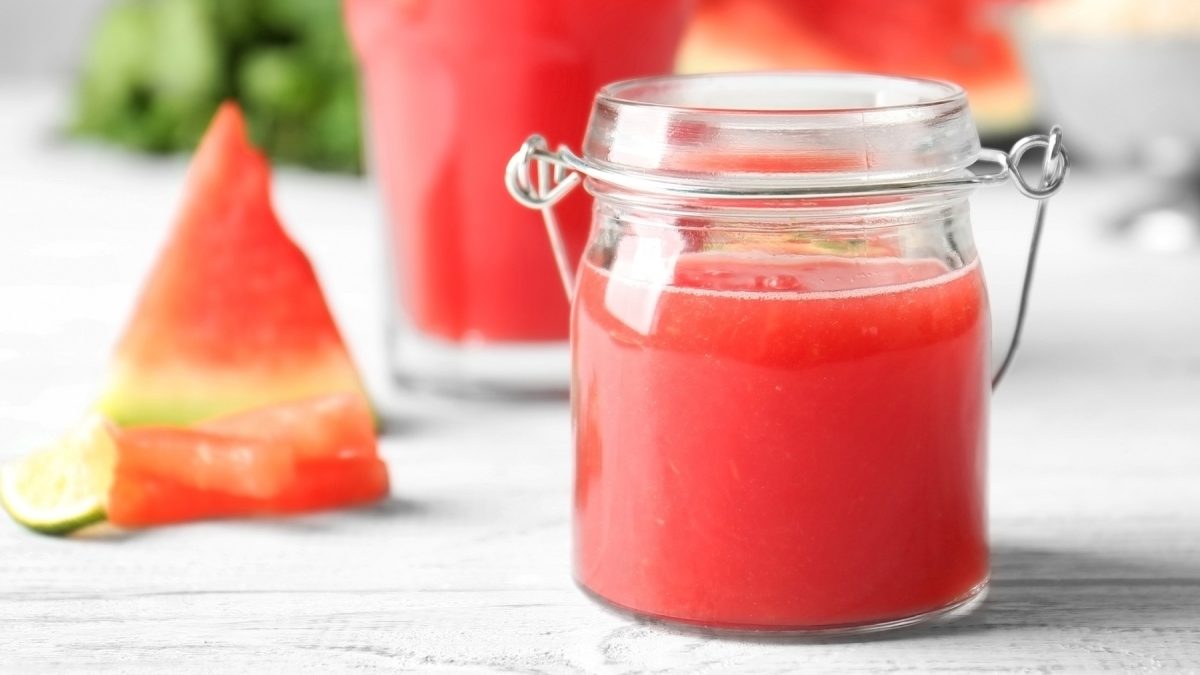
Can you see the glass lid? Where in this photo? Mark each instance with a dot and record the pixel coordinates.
(781, 129)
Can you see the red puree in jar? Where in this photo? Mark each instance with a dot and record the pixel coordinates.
(784, 441)
(452, 87)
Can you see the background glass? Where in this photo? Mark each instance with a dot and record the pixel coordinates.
(450, 88)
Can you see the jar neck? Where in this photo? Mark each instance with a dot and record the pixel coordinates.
(658, 234)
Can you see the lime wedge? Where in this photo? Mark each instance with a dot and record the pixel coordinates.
(64, 487)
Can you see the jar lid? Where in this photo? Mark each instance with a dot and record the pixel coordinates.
(781, 130)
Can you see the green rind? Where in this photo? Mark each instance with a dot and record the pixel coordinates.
(124, 413)
(376, 417)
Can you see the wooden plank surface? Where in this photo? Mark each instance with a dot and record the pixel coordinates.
(1095, 471)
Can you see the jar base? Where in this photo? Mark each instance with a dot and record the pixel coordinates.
(955, 610)
(479, 369)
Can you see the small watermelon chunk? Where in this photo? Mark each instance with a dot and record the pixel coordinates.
(207, 461)
(138, 500)
(313, 454)
(337, 426)
(141, 500)
(232, 316)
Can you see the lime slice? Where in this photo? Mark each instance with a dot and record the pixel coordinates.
(64, 487)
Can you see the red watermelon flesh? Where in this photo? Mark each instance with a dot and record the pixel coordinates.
(138, 500)
(173, 475)
(232, 316)
(207, 461)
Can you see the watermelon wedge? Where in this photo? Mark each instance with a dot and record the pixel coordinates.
(958, 40)
(232, 316)
(296, 457)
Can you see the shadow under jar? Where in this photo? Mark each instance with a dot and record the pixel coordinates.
(780, 405)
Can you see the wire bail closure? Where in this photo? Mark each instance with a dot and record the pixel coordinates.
(539, 178)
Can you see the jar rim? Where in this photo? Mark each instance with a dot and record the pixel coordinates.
(747, 131)
(619, 92)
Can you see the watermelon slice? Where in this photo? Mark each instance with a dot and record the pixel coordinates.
(309, 455)
(958, 40)
(232, 316)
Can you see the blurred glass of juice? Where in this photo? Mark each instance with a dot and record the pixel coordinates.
(450, 88)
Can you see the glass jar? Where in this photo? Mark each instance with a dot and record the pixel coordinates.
(449, 89)
(779, 351)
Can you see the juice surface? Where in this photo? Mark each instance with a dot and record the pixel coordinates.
(452, 88)
(781, 442)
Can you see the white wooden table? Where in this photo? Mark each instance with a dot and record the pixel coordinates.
(1095, 471)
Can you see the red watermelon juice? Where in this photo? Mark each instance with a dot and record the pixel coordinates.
(789, 442)
(451, 87)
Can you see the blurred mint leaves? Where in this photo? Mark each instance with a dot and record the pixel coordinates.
(156, 70)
